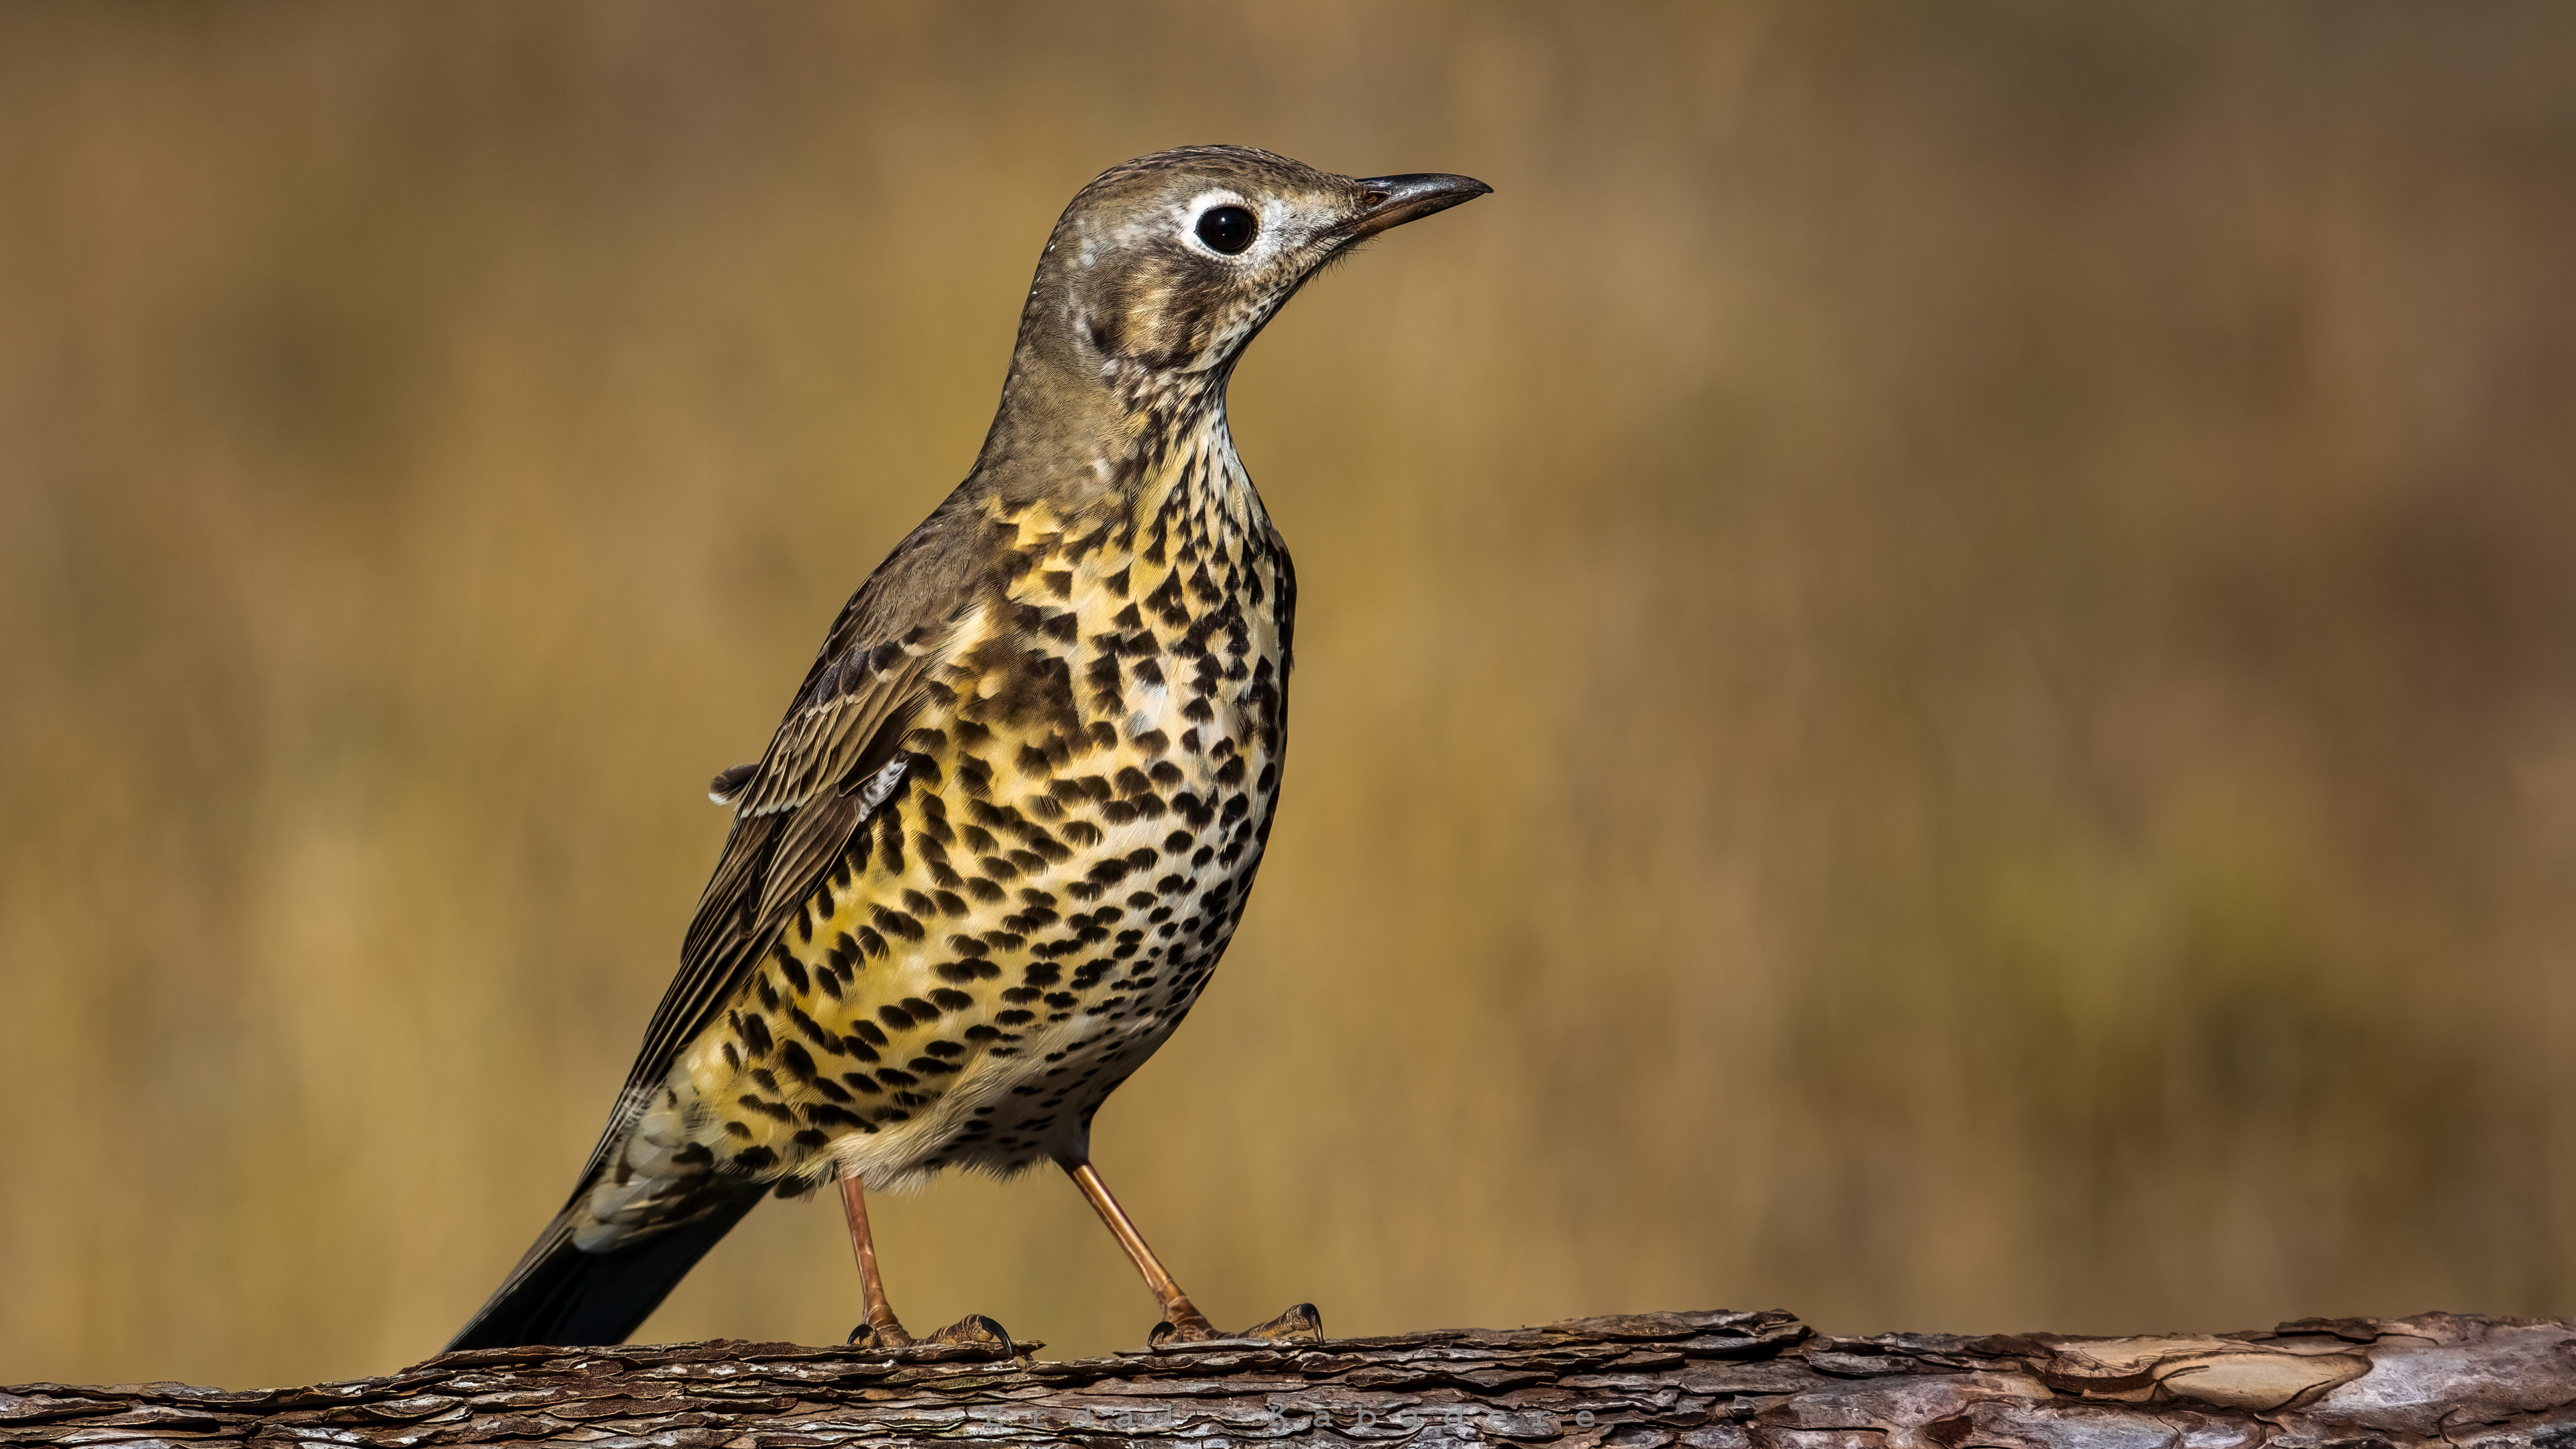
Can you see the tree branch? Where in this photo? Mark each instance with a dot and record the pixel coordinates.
(1704, 1380)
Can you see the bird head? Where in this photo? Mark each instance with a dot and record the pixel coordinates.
(1163, 269)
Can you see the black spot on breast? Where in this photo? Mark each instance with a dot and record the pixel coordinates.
(872, 943)
(921, 1010)
(861, 1081)
(754, 1159)
(893, 1078)
(895, 1016)
(950, 999)
(754, 1033)
(896, 923)
(827, 1040)
(796, 1060)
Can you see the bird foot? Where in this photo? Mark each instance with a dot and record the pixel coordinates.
(1300, 1324)
(973, 1337)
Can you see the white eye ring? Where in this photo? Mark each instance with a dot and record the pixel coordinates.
(1207, 227)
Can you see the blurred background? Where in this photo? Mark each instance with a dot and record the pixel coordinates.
(1938, 653)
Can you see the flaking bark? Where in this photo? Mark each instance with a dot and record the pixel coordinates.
(1696, 1379)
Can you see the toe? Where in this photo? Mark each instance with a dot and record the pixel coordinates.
(977, 1331)
(1187, 1326)
(880, 1335)
(1301, 1323)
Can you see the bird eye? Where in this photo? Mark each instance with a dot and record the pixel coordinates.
(1227, 229)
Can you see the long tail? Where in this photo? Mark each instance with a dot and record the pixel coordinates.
(561, 1295)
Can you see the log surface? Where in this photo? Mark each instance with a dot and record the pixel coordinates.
(1711, 1380)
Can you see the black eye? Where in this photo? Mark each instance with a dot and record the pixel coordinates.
(1228, 229)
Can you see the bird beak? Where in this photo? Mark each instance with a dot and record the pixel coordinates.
(1391, 201)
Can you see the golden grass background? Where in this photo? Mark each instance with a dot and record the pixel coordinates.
(1938, 671)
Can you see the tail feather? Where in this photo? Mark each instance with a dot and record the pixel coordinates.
(562, 1296)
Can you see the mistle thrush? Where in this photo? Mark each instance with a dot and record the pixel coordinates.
(1011, 819)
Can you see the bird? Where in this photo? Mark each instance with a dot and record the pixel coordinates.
(1012, 816)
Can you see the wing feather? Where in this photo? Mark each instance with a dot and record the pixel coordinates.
(794, 816)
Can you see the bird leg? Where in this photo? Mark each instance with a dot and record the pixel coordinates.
(882, 1329)
(1181, 1318)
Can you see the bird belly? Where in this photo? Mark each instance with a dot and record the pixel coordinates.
(1007, 939)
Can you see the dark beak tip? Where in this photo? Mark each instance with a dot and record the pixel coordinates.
(1395, 200)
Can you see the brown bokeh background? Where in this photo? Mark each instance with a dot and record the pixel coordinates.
(1938, 670)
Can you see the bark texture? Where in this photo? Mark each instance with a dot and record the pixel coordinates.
(1714, 1379)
